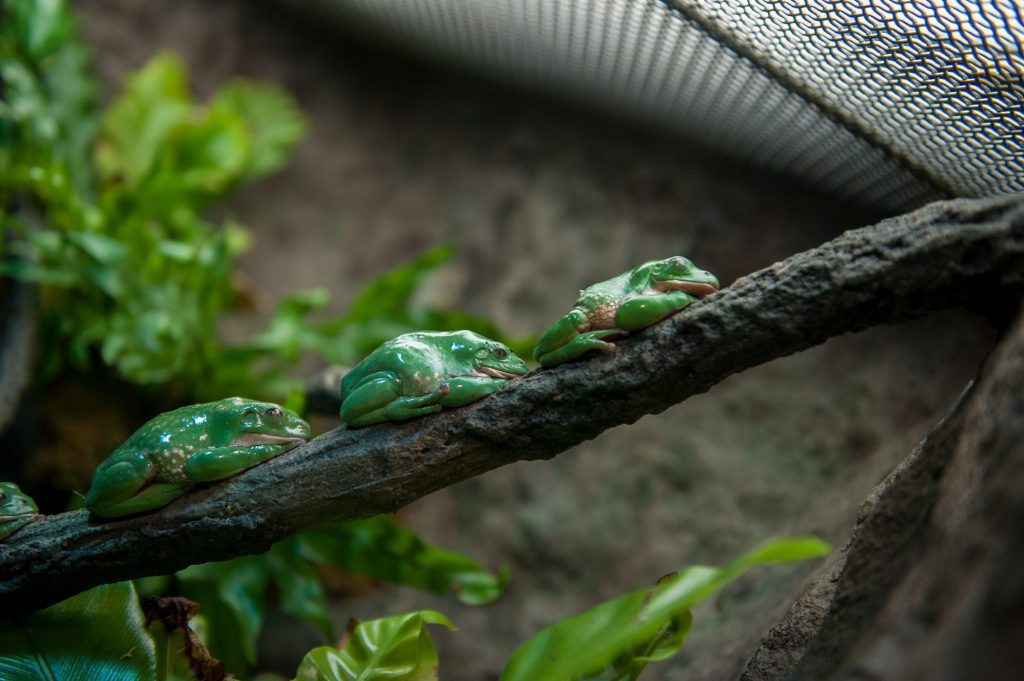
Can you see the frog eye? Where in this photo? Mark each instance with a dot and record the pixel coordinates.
(500, 353)
(3, 498)
(274, 411)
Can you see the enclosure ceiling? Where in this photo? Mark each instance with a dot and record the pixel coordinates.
(890, 103)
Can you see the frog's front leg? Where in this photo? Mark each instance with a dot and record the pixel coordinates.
(569, 338)
(223, 462)
(379, 398)
(466, 389)
(642, 311)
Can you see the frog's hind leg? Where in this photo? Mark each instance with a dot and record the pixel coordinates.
(379, 398)
(643, 311)
(123, 488)
(568, 338)
(150, 498)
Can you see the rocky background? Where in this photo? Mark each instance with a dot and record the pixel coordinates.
(540, 199)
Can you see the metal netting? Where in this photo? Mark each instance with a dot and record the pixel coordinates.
(890, 103)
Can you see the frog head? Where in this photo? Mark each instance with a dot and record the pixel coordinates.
(16, 509)
(489, 357)
(240, 422)
(680, 274)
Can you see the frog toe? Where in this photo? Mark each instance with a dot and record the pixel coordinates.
(581, 344)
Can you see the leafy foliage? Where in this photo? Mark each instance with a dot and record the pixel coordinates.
(135, 277)
(394, 648)
(384, 308)
(378, 548)
(98, 634)
(616, 640)
(48, 110)
(135, 273)
(233, 593)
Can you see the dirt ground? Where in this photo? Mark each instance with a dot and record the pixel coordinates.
(540, 199)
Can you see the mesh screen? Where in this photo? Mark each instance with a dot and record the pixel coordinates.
(892, 104)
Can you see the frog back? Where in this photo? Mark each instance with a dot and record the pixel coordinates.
(167, 440)
(416, 359)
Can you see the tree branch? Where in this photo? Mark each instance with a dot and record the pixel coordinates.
(964, 252)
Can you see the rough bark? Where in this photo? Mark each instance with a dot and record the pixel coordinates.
(929, 585)
(965, 252)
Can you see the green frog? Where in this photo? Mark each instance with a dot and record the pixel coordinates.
(179, 449)
(633, 300)
(16, 509)
(420, 373)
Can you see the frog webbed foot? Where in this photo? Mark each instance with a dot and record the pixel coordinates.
(569, 338)
(582, 343)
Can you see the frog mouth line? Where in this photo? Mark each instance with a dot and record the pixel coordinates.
(8, 518)
(694, 288)
(252, 439)
(496, 373)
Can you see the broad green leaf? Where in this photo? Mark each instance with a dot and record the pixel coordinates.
(153, 102)
(298, 588)
(273, 122)
(389, 294)
(589, 645)
(697, 583)
(289, 332)
(378, 548)
(205, 157)
(631, 663)
(73, 96)
(40, 25)
(47, 114)
(104, 249)
(394, 648)
(98, 634)
(231, 595)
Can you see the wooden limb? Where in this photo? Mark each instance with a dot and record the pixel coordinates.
(964, 252)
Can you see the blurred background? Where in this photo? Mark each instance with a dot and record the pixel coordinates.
(545, 168)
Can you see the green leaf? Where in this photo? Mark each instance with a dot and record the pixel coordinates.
(205, 157)
(378, 548)
(389, 294)
(135, 129)
(48, 111)
(273, 123)
(231, 595)
(289, 332)
(394, 648)
(298, 588)
(41, 26)
(98, 634)
(102, 248)
(788, 550)
(637, 625)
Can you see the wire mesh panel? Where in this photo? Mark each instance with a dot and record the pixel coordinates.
(891, 103)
